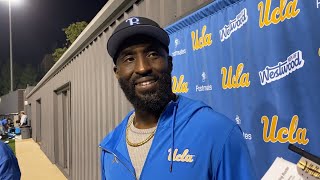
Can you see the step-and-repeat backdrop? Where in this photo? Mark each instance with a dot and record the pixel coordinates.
(257, 62)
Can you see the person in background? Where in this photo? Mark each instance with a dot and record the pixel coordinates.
(10, 128)
(3, 126)
(23, 120)
(9, 167)
(166, 136)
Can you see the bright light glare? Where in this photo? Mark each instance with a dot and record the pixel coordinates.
(14, 2)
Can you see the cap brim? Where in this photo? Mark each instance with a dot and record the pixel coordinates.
(117, 38)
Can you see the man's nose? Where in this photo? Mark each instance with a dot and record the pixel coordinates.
(142, 65)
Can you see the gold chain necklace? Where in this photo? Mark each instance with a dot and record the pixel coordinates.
(140, 143)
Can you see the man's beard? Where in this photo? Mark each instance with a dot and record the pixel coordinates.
(153, 102)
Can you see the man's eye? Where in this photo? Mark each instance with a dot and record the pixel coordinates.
(152, 54)
(128, 59)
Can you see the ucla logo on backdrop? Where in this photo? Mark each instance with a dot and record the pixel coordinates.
(282, 69)
(239, 79)
(178, 52)
(245, 135)
(183, 157)
(178, 85)
(285, 10)
(284, 134)
(202, 41)
(207, 87)
(234, 25)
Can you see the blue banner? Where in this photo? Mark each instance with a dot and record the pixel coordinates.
(257, 62)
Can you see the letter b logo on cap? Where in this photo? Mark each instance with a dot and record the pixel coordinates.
(133, 21)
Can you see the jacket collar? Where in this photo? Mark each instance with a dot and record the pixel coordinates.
(111, 142)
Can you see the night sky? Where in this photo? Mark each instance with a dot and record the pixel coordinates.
(37, 26)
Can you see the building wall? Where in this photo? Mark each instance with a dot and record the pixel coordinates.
(12, 102)
(97, 104)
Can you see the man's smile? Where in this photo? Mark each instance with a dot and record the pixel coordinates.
(145, 84)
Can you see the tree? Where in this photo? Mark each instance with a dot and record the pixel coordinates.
(21, 77)
(27, 77)
(71, 32)
(74, 30)
(58, 53)
(5, 79)
(17, 69)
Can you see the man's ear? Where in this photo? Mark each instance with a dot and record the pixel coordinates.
(116, 71)
(170, 64)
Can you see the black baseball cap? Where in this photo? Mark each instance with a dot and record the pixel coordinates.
(136, 26)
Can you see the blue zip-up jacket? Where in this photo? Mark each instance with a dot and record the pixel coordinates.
(205, 145)
(9, 168)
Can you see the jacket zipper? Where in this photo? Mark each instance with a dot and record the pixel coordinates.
(120, 161)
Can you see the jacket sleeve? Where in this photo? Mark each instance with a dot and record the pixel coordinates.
(9, 170)
(235, 161)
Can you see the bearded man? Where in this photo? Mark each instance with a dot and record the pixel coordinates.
(166, 136)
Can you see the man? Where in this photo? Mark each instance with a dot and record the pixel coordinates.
(9, 167)
(23, 120)
(166, 136)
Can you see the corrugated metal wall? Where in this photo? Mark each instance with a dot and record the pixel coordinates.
(97, 102)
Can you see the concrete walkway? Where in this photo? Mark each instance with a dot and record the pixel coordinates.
(34, 164)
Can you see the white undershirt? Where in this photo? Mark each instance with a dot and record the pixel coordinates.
(138, 154)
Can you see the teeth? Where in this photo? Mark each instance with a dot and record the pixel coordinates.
(145, 83)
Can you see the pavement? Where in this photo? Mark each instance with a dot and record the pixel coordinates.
(34, 164)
